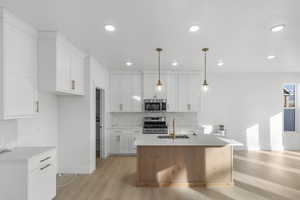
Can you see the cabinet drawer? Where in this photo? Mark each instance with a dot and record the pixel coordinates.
(42, 183)
(42, 160)
(136, 131)
(118, 131)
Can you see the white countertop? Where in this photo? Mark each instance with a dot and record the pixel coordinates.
(193, 140)
(23, 153)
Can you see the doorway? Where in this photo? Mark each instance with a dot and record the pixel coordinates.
(100, 122)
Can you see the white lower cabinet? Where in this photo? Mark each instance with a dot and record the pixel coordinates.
(115, 140)
(131, 143)
(28, 173)
(41, 182)
(122, 141)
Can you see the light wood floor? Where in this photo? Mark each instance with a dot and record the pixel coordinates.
(257, 175)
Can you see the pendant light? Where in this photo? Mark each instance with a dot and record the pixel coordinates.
(205, 84)
(159, 85)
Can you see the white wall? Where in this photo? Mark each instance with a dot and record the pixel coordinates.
(39, 131)
(42, 130)
(250, 106)
(8, 133)
(77, 151)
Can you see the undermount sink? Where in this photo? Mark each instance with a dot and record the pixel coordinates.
(171, 137)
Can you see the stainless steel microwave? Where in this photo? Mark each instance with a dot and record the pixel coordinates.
(155, 105)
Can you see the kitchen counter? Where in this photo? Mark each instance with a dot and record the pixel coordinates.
(193, 140)
(23, 153)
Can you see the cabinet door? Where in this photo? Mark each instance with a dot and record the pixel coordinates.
(131, 143)
(124, 144)
(135, 92)
(149, 86)
(20, 62)
(126, 93)
(63, 68)
(189, 92)
(150, 80)
(115, 143)
(172, 92)
(117, 92)
(42, 183)
(77, 71)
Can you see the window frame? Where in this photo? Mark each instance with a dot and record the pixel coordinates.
(289, 108)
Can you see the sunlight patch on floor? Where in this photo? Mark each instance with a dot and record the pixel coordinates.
(267, 185)
(279, 154)
(267, 164)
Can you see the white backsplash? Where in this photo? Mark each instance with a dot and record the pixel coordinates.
(136, 119)
(8, 134)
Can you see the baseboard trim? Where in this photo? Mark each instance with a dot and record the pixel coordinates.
(75, 170)
(196, 184)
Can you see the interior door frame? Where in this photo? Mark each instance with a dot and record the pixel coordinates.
(103, 113)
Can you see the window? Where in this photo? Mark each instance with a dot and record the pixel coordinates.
(289, 107)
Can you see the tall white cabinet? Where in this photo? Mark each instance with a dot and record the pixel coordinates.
(126, 90)
(61, 65)
(18, 68)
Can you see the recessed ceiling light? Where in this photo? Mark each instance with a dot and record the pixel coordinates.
(194, 28)
(277, 28)
(271, 57)
(220, 63)
(175, 63)
(109, 28)
(128, 63)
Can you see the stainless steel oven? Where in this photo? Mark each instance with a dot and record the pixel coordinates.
(155, 105)
(155, 125)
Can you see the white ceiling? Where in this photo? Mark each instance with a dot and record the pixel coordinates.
(238, 32)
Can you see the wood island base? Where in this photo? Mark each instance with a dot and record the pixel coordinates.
(187, 166)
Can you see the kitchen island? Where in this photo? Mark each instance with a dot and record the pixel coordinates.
(199, 160)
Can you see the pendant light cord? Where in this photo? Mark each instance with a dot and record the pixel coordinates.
(158, 50)
(204, 65)
(159, 65)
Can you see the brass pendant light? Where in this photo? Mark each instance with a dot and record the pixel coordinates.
(205, 84)
(159, 85)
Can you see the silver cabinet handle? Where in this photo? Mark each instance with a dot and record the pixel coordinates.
(47, 158)
(73, 84)
(37, 103)
(121, 107)
(42, 168)
(118, 138)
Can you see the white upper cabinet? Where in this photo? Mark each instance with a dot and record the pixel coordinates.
(181, 89)
(18, 68)
(172, 92)
(77, 71)
(189, 92)
(126, 90)
(150, 81)
(61, 65)
(169, 91)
